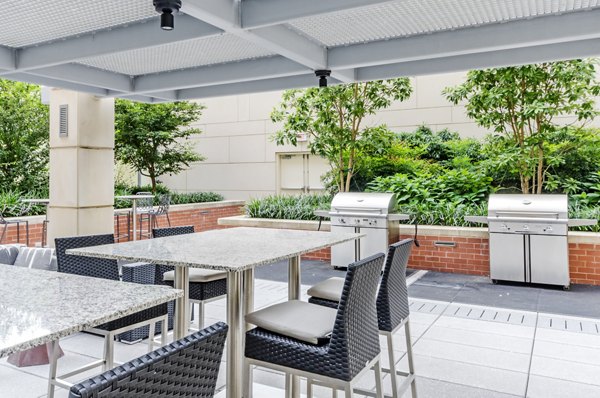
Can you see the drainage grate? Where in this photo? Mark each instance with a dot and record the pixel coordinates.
(568, 324)
(427, 307)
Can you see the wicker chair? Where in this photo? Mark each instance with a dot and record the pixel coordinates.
(205, 285)
(392, 309)
(188, 367)
(107, 269)
(144, 209)
(337, 361)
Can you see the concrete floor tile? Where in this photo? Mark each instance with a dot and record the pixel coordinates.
(15, 383)
(498, 328)
(569, 338)
(498, 380)
(565, 370)
(480, 339)
(567, 352)
(429, 388)
(545, 387)
(474, 355)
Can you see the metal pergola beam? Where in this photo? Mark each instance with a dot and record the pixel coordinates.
(490, 59)
(259, 13)
(140, 35)
(80, 74)
(8, 58)
(259, 69)
(522, 33)
(46, 81)
(275, 84)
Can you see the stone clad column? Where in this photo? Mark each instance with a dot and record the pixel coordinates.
(81, 165)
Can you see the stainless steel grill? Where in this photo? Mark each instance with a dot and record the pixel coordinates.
(373, 214)
(528, 238)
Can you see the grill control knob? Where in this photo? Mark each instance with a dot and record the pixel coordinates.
(342, 221)
(525, 227)
(374, 222)
(357, 221)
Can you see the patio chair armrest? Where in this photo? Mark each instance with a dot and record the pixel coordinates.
(143, 273)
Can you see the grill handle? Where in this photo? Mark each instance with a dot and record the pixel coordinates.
(353, 209)
(531, 219)
(522, 215)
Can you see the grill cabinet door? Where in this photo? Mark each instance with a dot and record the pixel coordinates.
(549, 260)
(342, 254)
(375, 242)
(507, 257)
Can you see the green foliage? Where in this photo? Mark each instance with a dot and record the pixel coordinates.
(443, 213)
(288, 207)
(194, 197)
(520, 104)
(152, 138)
(458, 186)
(177, 198)
(333, 118)
(23, 137)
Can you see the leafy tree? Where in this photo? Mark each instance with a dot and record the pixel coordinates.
(152, 137)
(521, 104)
(23, 138)
(333, 118)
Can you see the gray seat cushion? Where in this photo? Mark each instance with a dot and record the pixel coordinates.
(296, 319)
(330, 289)
(36, 257)
(8, 254)
(198, 275)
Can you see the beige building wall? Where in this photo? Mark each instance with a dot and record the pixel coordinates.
(242, 161)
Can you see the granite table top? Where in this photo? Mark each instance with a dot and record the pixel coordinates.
(231, 249)
(40, 306)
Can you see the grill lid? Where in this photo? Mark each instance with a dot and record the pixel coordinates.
(363, 202)
(528, 206)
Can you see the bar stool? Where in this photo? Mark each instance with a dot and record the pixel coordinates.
(335, 348)
(392, 309)
(127, 215)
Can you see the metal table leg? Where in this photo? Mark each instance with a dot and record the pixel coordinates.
(236, 334)
(292, 383)
(181, 318)
(134, 215)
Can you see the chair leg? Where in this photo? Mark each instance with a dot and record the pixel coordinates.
(54, 352)
(109, 352)
(392, 358)
(348, 391)
(201, 315)
(247, 379)
(309, 388)
(165, 331)
(168, 220)
(27, 232)
(378, 386)
(151, 336)
(409, 354)
(3, 232)
(18, 232)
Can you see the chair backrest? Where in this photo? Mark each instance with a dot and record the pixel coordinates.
(188, 367)
(164, 232)
(145, 204)
(164, 201)
(392, 300)
(355, 336)
(82, 265)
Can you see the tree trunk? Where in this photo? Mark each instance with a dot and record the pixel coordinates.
(540, 168)
(153, 181)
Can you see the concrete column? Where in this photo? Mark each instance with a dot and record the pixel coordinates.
(81, 166)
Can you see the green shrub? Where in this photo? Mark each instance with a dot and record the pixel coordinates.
(287, 207)
(12, 206)
(454, 186)
(194, 197)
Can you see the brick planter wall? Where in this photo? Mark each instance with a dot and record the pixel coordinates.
(204, 216)
(454, 249)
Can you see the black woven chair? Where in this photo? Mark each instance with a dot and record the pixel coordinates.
(205, 285)
(392, 310)
(186, 368)
(106, 269)
(339, 361)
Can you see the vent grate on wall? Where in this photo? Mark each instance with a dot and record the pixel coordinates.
(63, 129)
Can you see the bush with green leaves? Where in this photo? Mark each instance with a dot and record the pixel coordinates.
(454, 186)
(177, 198)
(288, 207)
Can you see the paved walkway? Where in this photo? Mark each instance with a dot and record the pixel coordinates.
(462, 350)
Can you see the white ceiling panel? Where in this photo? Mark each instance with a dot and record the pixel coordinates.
(413, 17)
(181, 55)
(28, 22)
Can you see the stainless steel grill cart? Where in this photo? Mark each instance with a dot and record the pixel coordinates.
(528, 238)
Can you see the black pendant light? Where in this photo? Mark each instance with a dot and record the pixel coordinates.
(167, 8)
(323, 74)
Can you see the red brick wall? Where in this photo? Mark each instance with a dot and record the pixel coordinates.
(202, 219)
(584, 263)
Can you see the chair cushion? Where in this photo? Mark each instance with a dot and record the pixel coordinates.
(330, 289)
(8, 254)
(35, 257)
(296, 319)
(198, 275)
